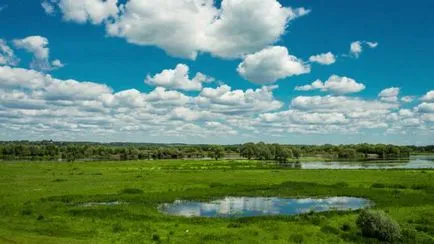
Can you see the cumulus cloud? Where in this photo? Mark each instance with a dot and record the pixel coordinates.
(178, 78)
(425, 108)
(335, 84)
(38, 46)
(324, 58)
(225, 100)
(270, 65)
(7, 56)
(31, 99)
(236, 28)
(339, 103)
(94, 11)
(334, 115)
(356, 47)
(428, 97)
(390, 94)
(48, 107)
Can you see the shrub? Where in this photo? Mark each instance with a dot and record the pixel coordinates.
(296, 238)
(346, 227)
(376, 224)
(117, 228)
(378, 185)
(156, 237)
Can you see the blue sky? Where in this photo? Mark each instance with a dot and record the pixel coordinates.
(273, 51)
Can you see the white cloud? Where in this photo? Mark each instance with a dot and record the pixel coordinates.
(356, 47)
(38, 46)
(270, 65)
(48, 7)
(21, 78)
(47, 107)
(339, 103)
(57, 63)
(225, 100)
(185, 28)
(94, 11)
(425, 108)
(335, 84)
(7, 56)
(372, 44)
(324, 58)
(178, 78)
(390, 94)
(428, 97)
(247, 26)
(329, 115)
(50, 106)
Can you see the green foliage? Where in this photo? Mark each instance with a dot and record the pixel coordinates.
(86, 151)
(248, 150)
(376, 224)
(217, 152)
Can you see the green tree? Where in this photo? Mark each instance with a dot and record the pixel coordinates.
(217, 152)
(248, 150)
(282, 154)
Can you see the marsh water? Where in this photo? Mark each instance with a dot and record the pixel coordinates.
(415, 162)
(261, 206)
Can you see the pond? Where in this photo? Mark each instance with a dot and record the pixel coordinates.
(261, 206)
(415, 162)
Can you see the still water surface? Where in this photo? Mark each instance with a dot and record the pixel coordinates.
(261, 206)
(415, 162)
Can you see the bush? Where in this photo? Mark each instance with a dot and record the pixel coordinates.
(376, 224)
(117, 228)
(378, 185)
(346, 227)
(296, 238)
(156, 237)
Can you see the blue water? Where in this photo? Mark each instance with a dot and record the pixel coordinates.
(261, 206)
(415, 162)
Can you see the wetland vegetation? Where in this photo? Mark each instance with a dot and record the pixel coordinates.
(112, 201)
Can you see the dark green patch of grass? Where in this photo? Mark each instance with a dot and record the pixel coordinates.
(132, 191)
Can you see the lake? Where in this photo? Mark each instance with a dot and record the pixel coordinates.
(261, 206)
(415, 162)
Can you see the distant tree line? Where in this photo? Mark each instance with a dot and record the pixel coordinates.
(73, 151)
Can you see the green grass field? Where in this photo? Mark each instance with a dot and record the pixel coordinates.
(40, 202)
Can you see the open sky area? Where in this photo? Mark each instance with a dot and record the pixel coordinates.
(230, 71)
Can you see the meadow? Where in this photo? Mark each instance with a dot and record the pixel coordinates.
(45, 202)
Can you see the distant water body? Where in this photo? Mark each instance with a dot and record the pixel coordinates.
(415, 162)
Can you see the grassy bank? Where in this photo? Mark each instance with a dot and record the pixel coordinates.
(40, 202)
